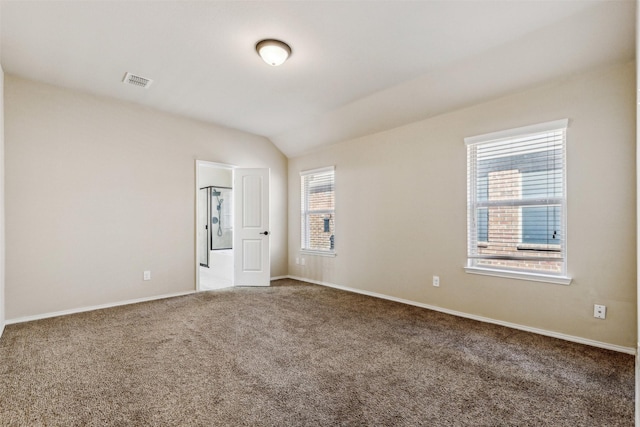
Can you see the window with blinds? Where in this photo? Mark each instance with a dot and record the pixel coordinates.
(318, 210)
(516, 213)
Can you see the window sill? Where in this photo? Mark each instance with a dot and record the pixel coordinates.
(318, 253)
(558, 280)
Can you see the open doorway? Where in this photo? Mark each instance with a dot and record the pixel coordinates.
(232, 226)
(214, 225)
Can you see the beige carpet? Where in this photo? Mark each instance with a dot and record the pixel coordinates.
(301, 355)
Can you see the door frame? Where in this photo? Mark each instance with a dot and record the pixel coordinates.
(206, 164)
(198, 225)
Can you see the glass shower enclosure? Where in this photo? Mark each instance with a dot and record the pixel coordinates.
(215, 217)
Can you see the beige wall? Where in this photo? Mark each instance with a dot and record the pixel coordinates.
(401, 211)
(2, 249)
(99, 190)
(219, 176)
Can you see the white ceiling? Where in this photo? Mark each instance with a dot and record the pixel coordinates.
(357, 66)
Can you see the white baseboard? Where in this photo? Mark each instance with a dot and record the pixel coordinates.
(94, 307)
(98, 307)
(571, 338)
(580, 340)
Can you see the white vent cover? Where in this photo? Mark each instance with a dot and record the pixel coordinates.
(132, 79)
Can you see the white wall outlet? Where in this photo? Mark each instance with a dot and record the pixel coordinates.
(297, 261)
(302, 261)
(436, 281)
(147, 275)
(599, 311)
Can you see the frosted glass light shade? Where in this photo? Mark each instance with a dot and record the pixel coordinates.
(273, 52)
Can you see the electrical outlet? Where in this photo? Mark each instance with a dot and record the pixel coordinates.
(297, 261)
(599, 311)
(146, 275)
(436, 281)
(302, 261)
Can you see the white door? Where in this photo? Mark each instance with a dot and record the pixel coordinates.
(251, 222)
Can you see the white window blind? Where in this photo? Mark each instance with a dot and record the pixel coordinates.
(318, 210)
(516, 203)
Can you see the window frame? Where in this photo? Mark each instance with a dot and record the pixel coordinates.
(474, 205)
(305, 212)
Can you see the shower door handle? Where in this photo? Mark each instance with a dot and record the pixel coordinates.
(266, 233)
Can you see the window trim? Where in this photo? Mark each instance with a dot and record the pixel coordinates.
(307, 251)
(521, 275)
(318, 252)
(561, 278)
(521, 131)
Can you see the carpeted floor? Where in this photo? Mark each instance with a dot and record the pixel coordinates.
(301, 355)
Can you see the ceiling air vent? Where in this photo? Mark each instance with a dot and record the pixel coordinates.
(132, 79)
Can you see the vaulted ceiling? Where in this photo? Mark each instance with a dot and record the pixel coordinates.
(357, 67)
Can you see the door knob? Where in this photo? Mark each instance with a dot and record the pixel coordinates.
(266, 233)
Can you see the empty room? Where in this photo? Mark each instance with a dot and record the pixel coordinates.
(318, 213)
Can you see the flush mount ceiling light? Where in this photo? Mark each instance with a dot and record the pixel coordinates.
(273, 52)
